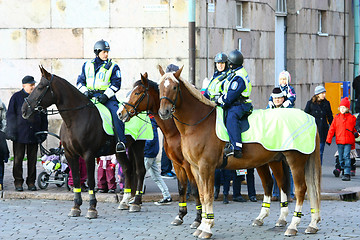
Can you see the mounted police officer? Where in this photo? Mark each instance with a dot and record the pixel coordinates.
(213, 91)
(101, 78)
(235, 101)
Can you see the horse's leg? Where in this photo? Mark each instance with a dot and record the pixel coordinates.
(195, 173)
(283, 181)
(267, 183)
(195, 193)
(127, 170)
(182, 187)
(136, 154)
(74, 166)
(297, 162)
(90, 168)
(313, 179)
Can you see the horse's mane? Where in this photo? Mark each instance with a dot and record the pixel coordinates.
(152, 84)
(193, 91)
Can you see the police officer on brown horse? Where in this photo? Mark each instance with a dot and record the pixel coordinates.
(101, 78)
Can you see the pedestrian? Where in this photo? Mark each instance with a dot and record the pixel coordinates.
(319, 107)
(166, 164)
(101, 78)
(356, 87)
(4, 150)
(289, 91)
(223, 177)
(82, 174)
(278, 99)
(236, 102)
(250, 182)
(151, 150)
(22, 133)
(106, 174)
(343, 127)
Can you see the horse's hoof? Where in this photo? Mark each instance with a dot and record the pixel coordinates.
(135, 208)
(257, 223)
(195, 225)
(91, 214)
(311, 230)
(123, 206)
(74, 212)
(280, 223)
(177, 221)
(197, 232)
(205, 235)
(290, 232)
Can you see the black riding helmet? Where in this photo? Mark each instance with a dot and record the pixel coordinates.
(221, 58)
(236, 59)
(101, 45)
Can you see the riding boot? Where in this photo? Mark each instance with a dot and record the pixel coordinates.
(238, 153)
(120, 147)
(225, 199)
(229, 149)
(216, 194)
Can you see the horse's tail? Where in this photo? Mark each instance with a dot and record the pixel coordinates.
(286, 178)
(313, 177)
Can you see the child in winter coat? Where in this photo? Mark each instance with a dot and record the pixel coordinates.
(106, 174)
(343, 127)
(288, 91)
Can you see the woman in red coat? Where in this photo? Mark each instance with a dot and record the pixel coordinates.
(343, 127)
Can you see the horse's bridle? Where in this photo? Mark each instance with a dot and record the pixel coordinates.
(37, 106)
(175, 100)
(134, 107)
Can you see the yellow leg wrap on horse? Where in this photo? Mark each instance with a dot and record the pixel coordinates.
(139, 192)
(298, 214)
(203, 215)
(127, 190)
(210, 216)
(314, 210)
(284, 204)
(77, 190)
(91, 192)
(198, 207)
(265, 204)
(182, 204)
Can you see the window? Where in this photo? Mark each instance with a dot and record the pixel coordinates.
(321, 23)
(240, 16)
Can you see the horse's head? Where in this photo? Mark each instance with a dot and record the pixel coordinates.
(138, 100)
(169, 92)
(41, 97)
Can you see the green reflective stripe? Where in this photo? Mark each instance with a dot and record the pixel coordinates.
(198, 207)
(298, 214)
(215, 85)
(244, 75)
(314, 210)
(182, 204)
(127, 190)
(284, 204)
(265, 204)
(101, 80)
(210, 216)
(75, 190)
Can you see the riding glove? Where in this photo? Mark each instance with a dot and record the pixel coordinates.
(88, 94)
(103, 98)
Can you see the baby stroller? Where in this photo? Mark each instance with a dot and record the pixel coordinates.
(56, 169)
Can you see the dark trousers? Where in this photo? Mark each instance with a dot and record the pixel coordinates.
(2, 168)
(223, 176)
(166, 165)
(113, 105)
(19, 154)
(250, 179)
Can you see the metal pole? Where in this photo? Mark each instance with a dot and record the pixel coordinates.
(192, 41)
(356, 43)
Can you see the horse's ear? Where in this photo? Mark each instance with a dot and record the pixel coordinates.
(144, 78)
(178, 72)
(41, 70)
(44, 72)
(161, 70)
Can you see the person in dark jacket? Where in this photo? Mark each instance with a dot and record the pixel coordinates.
(320, 109)
(22, 132)
(4, 150)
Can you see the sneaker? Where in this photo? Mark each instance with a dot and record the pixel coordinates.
(168, 175)
(346, 177)
(165, 201)
(352, 173)
(19, 188)
(102, 190)
(32, 188)
(336, 172)
(253, 199)
(225, 199)
(120, 147)
(239, 199)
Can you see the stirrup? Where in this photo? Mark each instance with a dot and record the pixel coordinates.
(229, 149)
(120, 147)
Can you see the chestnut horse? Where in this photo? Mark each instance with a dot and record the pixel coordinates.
(82, 135)
(145, 97)
(204, 150)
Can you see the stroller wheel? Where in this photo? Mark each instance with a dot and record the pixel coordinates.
(43, 179)
(59, 176)
(66, 178)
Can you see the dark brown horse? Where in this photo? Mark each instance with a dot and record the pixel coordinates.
(82, 135)
(204, 150)
(145, 97)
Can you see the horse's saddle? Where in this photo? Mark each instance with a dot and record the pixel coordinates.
(277, 129)
(139, 128)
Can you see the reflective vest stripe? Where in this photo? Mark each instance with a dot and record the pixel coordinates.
(214, 88)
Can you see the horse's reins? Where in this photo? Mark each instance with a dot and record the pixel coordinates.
(178, 92)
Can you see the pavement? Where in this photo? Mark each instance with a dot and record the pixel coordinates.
(332, 188)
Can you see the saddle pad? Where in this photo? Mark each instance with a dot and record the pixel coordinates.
(277, 129)
(105, 116)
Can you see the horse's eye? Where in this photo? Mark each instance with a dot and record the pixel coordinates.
(137, 93)
(175, 88)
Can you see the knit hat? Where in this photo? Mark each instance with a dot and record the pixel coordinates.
(345, 102)
(285, 74)
(319, 89)
(28, 80)
(276, 93)
(171, 68)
